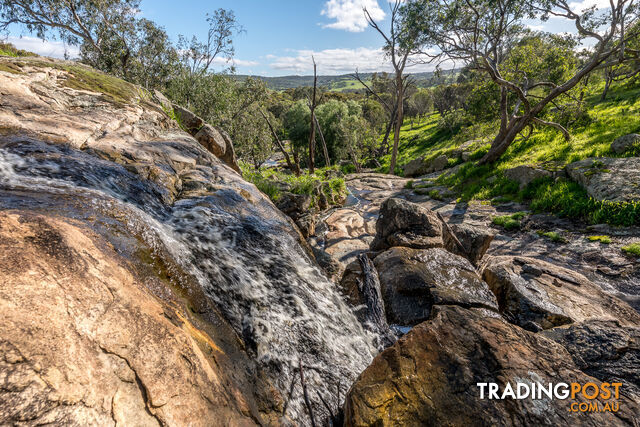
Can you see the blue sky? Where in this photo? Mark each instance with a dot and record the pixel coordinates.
(281, 35)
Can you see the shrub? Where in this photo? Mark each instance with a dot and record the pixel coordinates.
(553, 236)
(509, 222)
(602, 239)
(632, 249)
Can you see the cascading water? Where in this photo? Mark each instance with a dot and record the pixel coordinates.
(258, 275)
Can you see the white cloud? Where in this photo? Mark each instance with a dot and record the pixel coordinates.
(54, 49)
(349, 14)
(339, 61)
(224, 62)
(579, 6)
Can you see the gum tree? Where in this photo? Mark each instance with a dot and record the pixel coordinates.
(481, 33)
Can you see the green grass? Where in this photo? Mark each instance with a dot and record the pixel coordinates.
(617, 116)
(273, 183)
(568, 199)
(509, 222)
(7, 49)
(632, 249)
(605, 240)
(553, 236)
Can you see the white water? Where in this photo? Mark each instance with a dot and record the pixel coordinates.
(259, 277)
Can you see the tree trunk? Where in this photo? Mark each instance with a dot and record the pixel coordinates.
(327, 160)
(504, 139)
(290, 165)
(385, 140)
(399, 118)
(607, 85)
(312, 137)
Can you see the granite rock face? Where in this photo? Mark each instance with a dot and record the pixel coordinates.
(609, 179)
(402, 223)
(538, 295)
(413, 281)
(429, 377)
(84, 342)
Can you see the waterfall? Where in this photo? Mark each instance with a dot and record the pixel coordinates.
(248, 263)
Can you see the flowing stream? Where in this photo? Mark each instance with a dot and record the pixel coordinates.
(258, 276)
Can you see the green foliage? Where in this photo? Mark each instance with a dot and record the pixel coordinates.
(632, 249)
(435, 195)
(553, 236)
(568, 199)
(7, 49)
(509, 222)
(602, 239)
(273, 183)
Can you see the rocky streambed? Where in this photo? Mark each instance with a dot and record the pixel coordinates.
(144, 282)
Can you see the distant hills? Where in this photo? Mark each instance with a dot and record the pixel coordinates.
(347, 83)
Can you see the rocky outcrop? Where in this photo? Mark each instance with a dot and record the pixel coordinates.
(430, 377)
(422, 166)
(402, 223)
(413, 281)
(84, 341)
(626, 143)
(608, 178)
(213, 139)
(525, 175)
(537, 295)
(606, 350)
(473, 242)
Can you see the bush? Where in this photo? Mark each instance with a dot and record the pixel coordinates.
(632, 249)
(509, 222)
(602, 239)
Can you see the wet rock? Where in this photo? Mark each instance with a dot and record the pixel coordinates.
(625, 143)
(83, 342)
(608, 178)
(414, 280)
(430, 377)
(524, 175)
(90, 156)
(606, 350)
(475, 241)
(402, 223)
(537, 295)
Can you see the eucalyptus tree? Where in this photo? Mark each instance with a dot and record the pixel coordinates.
(73, 21)
(482, 33)
(399, 45)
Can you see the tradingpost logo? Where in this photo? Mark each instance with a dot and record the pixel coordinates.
(587, 397)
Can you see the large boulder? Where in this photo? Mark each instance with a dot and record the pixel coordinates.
(525, 175)
(422, 166)
(538, 295)
(606, 350)
(403, 223)
(213, 139)
(429, 378)
(414, 280)
(626, 143)
(608, 178)
(294, 205)
(83, 340)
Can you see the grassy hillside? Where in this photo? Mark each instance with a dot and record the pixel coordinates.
(346, 82)
(617, 116)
